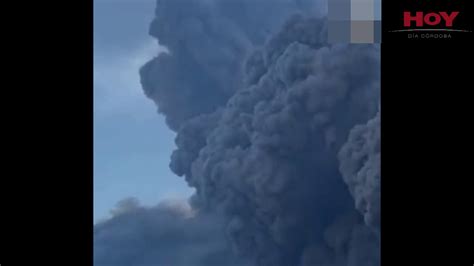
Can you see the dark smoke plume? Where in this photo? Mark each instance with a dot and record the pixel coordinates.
(278, 131)
(360, 167)
(208, 41)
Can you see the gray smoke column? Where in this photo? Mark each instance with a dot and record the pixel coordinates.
(268, 161)
(277, 130)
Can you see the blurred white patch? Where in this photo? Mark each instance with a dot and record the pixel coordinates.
(125, 205)
(179, 206)
(117, 88)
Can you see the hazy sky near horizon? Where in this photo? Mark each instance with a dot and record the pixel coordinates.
(132, 144)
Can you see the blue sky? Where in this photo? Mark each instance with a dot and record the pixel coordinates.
(132, 144)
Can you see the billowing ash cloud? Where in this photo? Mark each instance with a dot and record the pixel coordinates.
(163, 235)
(279, 133)
(360, 166)
(208, 41)
(269, 163)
